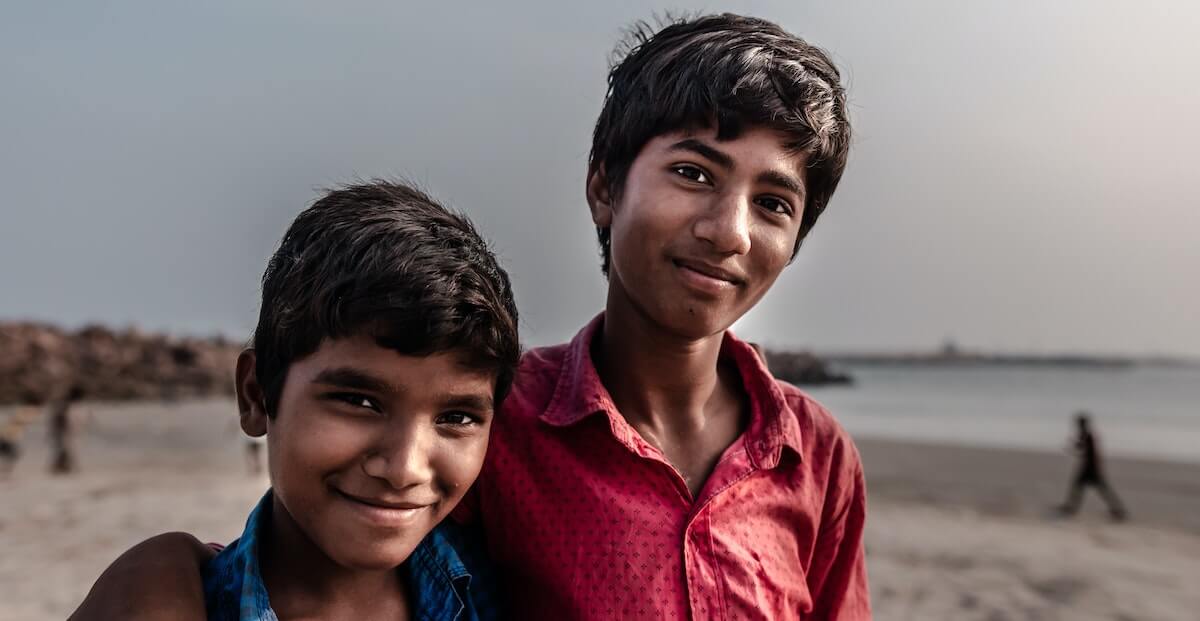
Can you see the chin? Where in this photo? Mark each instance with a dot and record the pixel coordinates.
(377, 558)
(693, 321)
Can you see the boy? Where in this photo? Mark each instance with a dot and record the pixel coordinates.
(656, 467)
(652, 468)
(387, 332)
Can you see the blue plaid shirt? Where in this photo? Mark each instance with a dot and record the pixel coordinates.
(440, 584)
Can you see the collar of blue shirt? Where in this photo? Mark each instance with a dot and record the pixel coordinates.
(446, 575)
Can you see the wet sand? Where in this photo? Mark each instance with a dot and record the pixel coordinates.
(953, 532)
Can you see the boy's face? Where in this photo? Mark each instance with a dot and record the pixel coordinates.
(370, 448)
(702, 227)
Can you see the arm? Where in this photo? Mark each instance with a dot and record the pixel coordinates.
(840, 587)
(158, 579)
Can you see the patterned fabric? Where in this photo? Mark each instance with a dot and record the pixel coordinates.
(586, 520)
(440, 583)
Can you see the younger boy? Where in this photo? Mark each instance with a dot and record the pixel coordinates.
(386, 337)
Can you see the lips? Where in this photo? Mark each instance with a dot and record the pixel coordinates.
(385, 503)
(387, 513)
(711, 271)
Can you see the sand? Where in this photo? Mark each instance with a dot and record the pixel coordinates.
(953, 532)
(967, 533)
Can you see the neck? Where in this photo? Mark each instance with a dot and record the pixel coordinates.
(301, 578)
(657, 379)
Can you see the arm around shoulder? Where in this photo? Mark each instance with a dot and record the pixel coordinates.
(159, 578)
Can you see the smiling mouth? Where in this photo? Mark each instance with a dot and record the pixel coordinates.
(385, 512)
(705, 277)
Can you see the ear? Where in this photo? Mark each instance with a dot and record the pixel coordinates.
(599, 197)
(252, 409)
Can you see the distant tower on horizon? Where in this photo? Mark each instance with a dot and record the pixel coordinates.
(950, 348)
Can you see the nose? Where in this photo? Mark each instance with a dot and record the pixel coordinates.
(401, 456)
(725, 225)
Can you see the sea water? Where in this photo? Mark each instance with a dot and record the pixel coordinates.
(1147, 411)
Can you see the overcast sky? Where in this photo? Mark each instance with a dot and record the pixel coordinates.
(1024, 174)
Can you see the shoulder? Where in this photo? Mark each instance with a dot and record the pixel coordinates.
(815, 419)
(825, 444)
(224, 581)
(534, 384)
(541, 362)
(232, 579)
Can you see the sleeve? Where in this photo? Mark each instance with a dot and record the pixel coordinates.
(838, 576)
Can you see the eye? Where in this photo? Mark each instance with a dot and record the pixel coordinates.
(457, 419)
(774, 205)
(355, 400)
(692, 173)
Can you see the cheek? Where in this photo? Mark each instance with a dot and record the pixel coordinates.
(773, 251)
(457, 463)
(317, 445)
(642, 229)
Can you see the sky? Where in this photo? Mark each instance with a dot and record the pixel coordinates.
(1022, 176)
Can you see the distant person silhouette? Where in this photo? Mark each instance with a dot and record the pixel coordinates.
(1090, 472)
(10, 449)
(62, 431)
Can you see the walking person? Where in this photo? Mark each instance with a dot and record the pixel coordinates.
(1090, 472)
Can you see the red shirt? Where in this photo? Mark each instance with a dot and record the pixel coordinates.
(586, 520)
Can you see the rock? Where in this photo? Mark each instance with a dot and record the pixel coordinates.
(38, 360)
(803, 368)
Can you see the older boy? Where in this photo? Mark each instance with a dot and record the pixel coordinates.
(652, 468)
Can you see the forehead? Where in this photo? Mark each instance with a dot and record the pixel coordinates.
(439, 373)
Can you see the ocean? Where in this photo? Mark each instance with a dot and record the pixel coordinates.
(1141, 411)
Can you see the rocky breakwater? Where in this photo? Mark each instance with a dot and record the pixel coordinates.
(39, 362)
(803, 369)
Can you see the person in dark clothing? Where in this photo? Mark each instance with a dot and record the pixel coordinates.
(62, 431)
(1090, 473)
(10, 451)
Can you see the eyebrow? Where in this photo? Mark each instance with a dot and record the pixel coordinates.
(695, 146)
(349, 377)
(785, 181)
(468, 402)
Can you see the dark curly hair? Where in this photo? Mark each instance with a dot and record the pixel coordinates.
(385, 259)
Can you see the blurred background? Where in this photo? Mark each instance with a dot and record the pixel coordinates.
(1016, 239)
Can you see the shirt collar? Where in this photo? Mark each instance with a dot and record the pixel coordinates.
(437, 577)
(579, 393)
(234, 589)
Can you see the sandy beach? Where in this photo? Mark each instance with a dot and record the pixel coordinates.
(953, 532)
